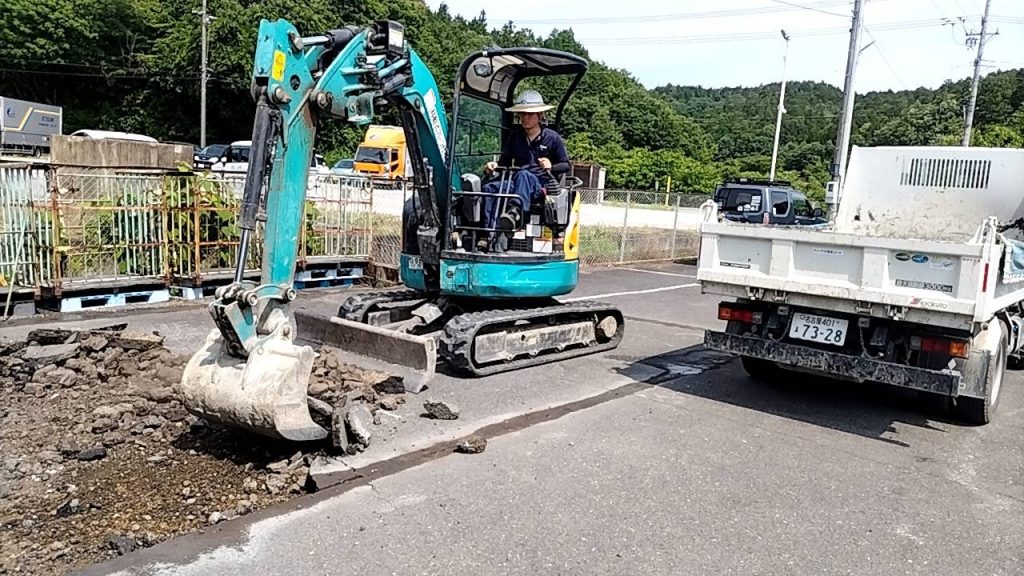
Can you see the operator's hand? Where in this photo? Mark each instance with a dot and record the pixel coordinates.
(490, 167)
(545, 163)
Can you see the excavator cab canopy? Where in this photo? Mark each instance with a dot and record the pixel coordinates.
(492, 78)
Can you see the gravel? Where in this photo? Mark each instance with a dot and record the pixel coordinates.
(441, 410)
(104, 460)
(472, 445)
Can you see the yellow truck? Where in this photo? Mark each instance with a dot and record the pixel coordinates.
(382, 153)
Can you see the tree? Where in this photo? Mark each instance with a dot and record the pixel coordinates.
(134, 65)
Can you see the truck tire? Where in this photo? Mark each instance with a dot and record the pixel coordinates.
(979, 411)
(759, 369)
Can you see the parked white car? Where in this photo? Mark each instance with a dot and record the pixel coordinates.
(234, 163)
(235, 158)
(111, 135)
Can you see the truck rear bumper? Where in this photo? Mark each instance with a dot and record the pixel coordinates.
(945, 382)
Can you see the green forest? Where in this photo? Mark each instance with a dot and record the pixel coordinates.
(133, 65)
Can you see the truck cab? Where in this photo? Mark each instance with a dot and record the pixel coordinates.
(383, 154)
(772, 202)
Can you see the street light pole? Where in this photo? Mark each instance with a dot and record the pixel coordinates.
(203, 74)
(969, 121)
(782, 106)
(838, 168)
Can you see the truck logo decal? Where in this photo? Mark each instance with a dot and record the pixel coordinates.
(828, 251)
(902, 256)
(919, 258)
(735, 265)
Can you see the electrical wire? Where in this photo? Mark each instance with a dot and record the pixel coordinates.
(787, 7)
(809, 7)
(744, 36)
(885, 58)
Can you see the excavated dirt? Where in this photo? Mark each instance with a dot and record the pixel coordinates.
(98, 458)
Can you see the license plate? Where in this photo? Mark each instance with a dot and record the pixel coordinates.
(415, 263)
(818, 329)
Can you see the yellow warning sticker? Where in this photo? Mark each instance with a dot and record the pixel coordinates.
(277, 72)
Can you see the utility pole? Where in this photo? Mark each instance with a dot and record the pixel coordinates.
(969, 122)
(204, 73)
(846, 116)
(782, 107)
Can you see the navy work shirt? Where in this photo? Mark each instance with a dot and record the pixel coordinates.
(517, 151)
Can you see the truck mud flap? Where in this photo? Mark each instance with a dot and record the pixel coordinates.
(935, 381)
(408, 356)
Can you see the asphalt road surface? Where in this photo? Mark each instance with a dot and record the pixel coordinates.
(658, 458)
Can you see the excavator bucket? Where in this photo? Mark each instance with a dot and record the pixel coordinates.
(265, 393)
(408, 356)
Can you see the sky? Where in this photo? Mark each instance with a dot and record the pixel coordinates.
(738, 42)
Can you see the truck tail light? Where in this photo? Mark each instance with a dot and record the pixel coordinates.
(736, 314)
(959, 348)
(984, 279)
(939, 345)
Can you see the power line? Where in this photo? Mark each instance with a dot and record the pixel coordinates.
(679, 16)
(885, 59)
(742, 36)
(808, 7)
(59, 63)
(152, 76)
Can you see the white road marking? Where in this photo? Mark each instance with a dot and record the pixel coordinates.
(630, 292)
(659, 272)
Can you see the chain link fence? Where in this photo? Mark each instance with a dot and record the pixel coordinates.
(103, 229)
(624, 226)
(388, 202)
(21, 191)
(62, 229)
(617, 226)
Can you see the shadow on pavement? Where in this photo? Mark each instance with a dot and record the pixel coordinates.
(869, 410)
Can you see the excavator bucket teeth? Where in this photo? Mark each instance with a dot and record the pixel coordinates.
(408, 356)
(265, 393)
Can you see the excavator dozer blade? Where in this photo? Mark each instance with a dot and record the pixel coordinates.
(265, 393)
(411, 357)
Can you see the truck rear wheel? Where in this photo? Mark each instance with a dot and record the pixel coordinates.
(979, 411)
(759, 369)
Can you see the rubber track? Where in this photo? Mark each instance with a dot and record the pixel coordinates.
(355, 307)
(455, 344)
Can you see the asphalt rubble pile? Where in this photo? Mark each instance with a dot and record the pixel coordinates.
(98, 457)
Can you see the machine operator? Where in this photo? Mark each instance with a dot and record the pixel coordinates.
(540, 156)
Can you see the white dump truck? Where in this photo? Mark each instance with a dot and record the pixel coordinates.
(918, 282)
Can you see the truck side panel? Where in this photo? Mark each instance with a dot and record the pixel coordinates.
(929, 192)
(28, 124)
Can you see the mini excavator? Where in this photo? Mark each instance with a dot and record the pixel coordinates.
(479, 312)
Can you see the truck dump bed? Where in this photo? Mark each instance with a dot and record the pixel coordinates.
(914, 239)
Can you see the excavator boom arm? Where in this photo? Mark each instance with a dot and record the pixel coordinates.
(250, 373)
